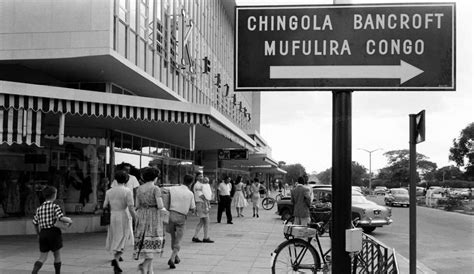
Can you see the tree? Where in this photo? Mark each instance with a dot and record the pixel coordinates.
(358, 174)
(448, 173)
(462, 151)
(293, 171)
(325, 177)
(397, 172)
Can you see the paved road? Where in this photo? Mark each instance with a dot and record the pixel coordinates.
(445, 240)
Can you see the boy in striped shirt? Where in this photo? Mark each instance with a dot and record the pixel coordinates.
(50, 238)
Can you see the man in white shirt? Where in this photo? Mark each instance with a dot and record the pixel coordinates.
(224, 189)
(132, 182)
(181, 202)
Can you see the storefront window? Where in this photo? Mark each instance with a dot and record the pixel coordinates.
(173, 161)
(75, 169)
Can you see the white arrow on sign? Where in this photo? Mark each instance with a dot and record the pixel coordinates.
(404, 72)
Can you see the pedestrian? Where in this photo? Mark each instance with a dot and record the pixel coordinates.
(301, 200)
(49, 236)
(149, 235)
(132, 184)
(119, 233)
(224, 200)
(181, 201)
(255, 196)
(239, 200)
(132, 181)
(202, 196)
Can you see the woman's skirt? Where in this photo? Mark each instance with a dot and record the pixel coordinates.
(119, 234)
(149, 235)
(239, 199)
(255, 199)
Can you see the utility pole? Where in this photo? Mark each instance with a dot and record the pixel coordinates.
(370, 164)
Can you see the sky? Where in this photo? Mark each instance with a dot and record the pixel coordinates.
(298, 125)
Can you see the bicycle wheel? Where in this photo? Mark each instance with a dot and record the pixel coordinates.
(268, 203)
(295, 256)
(278, 197)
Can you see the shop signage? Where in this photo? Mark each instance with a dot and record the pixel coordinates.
(362, 47)
(232, 154)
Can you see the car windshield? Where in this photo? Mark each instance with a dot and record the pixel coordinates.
(399, 191)
(358, 199)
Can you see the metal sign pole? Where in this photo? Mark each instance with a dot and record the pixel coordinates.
(412, 193)
(341, 179)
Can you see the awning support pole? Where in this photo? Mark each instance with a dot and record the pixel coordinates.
(62, 120)
(192, 137)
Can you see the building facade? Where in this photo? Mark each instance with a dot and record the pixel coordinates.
(86, 85)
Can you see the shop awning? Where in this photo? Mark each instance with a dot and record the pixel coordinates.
(99, 109)
(20, 126)
(268, 170)
(120, 110)
(254, 161)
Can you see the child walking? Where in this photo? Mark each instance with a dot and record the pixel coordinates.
(49, 236)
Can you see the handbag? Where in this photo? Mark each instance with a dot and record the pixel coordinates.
(105, 217)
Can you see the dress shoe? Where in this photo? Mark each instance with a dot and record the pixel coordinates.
(171, 264)
(196, 240)
(231, 223)
(115, 264)
(207, 240)
(177, 260)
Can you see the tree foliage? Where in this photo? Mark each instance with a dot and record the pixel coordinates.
(358, 175)
(293, 171)
(397, 172)
(459, 152)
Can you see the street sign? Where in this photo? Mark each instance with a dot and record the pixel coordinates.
(420, 127)
(232, 154)
(343, 47)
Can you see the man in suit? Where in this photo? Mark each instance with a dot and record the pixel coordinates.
(301, 199)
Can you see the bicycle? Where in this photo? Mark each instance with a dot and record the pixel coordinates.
(319, 214)
(269, 202)
(298, 255)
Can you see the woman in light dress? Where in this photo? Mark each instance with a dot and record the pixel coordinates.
(239, 200)
(149, 234)
(119, 235)
(255, 196)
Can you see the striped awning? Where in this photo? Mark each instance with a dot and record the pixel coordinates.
(20, 126)
(9, 101)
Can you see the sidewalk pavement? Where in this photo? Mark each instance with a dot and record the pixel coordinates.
(242, 247)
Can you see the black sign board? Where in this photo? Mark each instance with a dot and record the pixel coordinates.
(232, 154)
(341, 47)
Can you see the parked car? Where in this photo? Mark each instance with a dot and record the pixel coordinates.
(365, 214)
(380, 190)
(397, 196)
